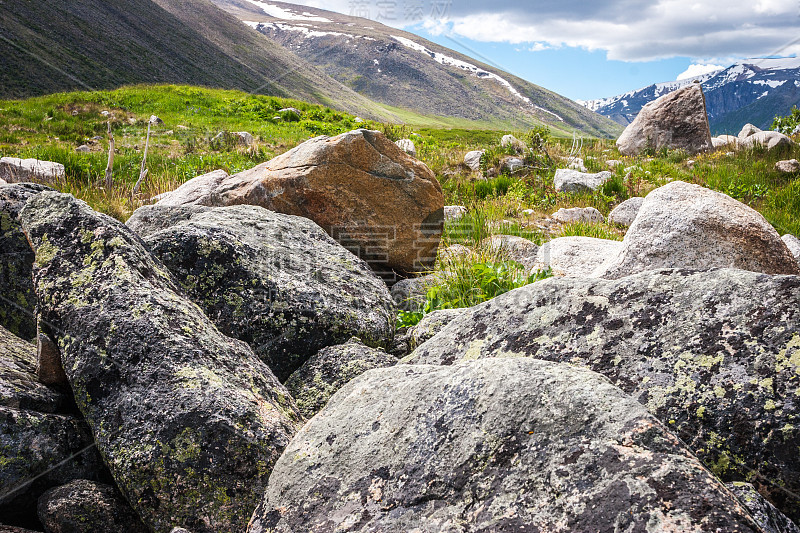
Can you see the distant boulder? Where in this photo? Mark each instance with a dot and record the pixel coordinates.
(677, 120)
(567, 180)
(793, 244)
(513, 142)
(407, 145)
(576, 163)
(789, 166)
(725, 140)
(241, 138)
(578, 214)
(473, 159)
(196, 191)
(453, 213)
(512, 164)
(767, 139)
(747, 131)
(625, 213)
(16, 170)
(518, 249)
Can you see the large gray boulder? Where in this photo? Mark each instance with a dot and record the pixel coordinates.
(16, 170)
(748, 130)
(188, 420)
(677, 120)
(576, 256)
(714, 354)
(329, 370)
(83, 506)
(682, 225)
(504, 445)
(625, 213)
(277, 282)
(567, 180)
(196, 191)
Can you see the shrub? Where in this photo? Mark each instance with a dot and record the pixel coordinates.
(787, 124)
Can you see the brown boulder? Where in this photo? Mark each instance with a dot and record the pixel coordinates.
(677, 120)
(364, 191)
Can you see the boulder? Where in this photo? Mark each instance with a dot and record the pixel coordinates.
(454, 212)
(725, 140)
(83, 149)
(747, 131)
(473, 159)
(511, 164)
(513, 142)
(676, 120)
(431, 324)
(766, 515)
(16, 170)
(17, 312)
(682, 225)
(715, 354)
(410, 294)
(189, 421)
(793, 244)
(504, 445)
(194, 192)
(578, 214)
(277, 282)
(515, 248)
(329, 370)
(576, 163)
(576, 256)
(573, 181)
(83, 506)
(364, 191)
(241, 138)
(625, 213)
(19, 386)
(407, 145)
(789, 166)
(767, 139)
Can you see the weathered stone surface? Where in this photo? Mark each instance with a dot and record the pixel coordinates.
(329, 370)
(714, 354)
(84, 506)
(19, 386)
(515, 248)
(676, 120)
(407, 145)
(793, 244)
(242, 138)
(189, 421)
(454, 212)
(410, 294)
(13, 529)
(473, 159)
(511, 164)
(770, 519)
(625, 213)
(17, 299)
(364, 191)
(49, 369)
(682, 225)
(16, 170)
(431, 324)
(768, 139)
(196, 191)
(576, 256)
(788, 166)
(39, 451)
(573, 181)
(748, 130)
(578, 214)
(724, 140)
(503, 445)
(277, 282)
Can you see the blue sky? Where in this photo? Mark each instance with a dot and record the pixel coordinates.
(586, 50)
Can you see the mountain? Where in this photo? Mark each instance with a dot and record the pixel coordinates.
(753, 90)
(410, 74)
(65, 45)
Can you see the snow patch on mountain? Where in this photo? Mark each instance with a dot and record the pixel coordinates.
(285, 14)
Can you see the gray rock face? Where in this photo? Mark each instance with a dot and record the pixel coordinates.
(473, 159)
(515, 248)
(407, 145)
(625, 213)
(410, 294)
(714, 354)
(189, 421)
(504, 445)
(567, 180)
(578, 214)
(16, 170)
(84, 506)
(748, 130)
(788, 166)
(17, 299)
(793, 244)
(770, 519)
(431, 324)
(682, 225)
(576, 256)
(196, 191)
(767, 139)
(677, 120)
(19, 387)
(277, 282)
(329, 370)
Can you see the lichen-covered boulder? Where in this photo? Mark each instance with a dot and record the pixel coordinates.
(625, 213)
(19, 387)
(364, 191)
(39, 451)
(677, 120)
(503, 445)
(770, 519)
(83, 506)
(17, 310)
(277, 282)
(714, 354)
(682, 225)
(576, 256)
(188, 420)
(326, 372)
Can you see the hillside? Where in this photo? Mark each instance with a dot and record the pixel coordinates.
(92, 44)
(754, 91)
(404, 71)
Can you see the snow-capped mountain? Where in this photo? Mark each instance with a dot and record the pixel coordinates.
(753, 90)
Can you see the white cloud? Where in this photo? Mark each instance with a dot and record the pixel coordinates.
(698, 70)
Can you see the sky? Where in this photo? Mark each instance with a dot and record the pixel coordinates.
(592, 50)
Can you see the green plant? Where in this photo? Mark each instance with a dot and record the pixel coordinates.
(787, 124)
(590, 229)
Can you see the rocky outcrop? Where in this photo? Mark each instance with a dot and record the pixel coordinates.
(473, 159)
(275, 281)
(625, 213)
(365, 192)
(677, 120)
(196, 191)
(189, 421)
(713, 354)
(578, 214)
(504, 445)
(84, 506)
(770, 519)
(576, 256)
(329, 370)
(770, 140)
(16, 170)
(576, 182)
(682, 225)
(17, 299)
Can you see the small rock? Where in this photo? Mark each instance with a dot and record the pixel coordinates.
(83, 149)
(613, 163)
(19, 386)
(768, 139)
(512, 164)
(515, 248)
(473, 159)
(625, 213)
(510, 140)
(105, 113)
(410, 294)
(83, 506)
(528, 212)
(196, 191)
(48, 361)
(578, 214)
(155, 120)
(793, 244)
(454, 212)
(747, 131)
(16, 170)
(789, 166)
(576, 163)
(567, 180)
(725, 140)
(182, 127)
(407, 145)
